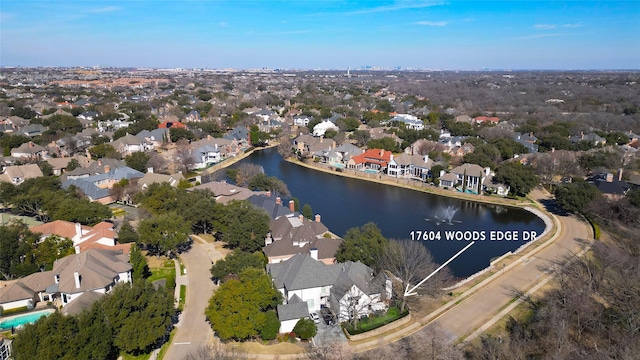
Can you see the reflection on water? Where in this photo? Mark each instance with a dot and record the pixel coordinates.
(345, 203)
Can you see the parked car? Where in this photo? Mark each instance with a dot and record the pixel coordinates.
(314, 316)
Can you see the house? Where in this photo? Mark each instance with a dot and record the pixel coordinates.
(241, 135)
(323, 126)
(88, 115)
(307, 145)
(272, 206)
(59, 165)
(612, 187)
(97, 187)
(410, 166)
(372, 159)
(471, 176)
(410, 121)
(17, 174)
(155, 137)
(491, 185)
(130, 144)
(168, 124)
(152, 178)
(290, 313)
(301, 120)
(193, 116)
(102, 235)
(593, 138)
(205, 156)
(292, 234)
(224, 192)
(528, 140)
(96, 270)
(30, 151)
(447, 180)
(304, 279)
(32, 130)
(5, 348)
(345, 152)
(485, 119)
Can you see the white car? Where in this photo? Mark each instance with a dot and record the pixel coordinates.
(314, 316)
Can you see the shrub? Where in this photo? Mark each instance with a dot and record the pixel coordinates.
(271, 326)
(305, 328)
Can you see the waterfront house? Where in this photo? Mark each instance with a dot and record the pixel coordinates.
(292, 234)
(471, 177)
(410, 166)
(99, 236)
(342, 287)
(372, 159)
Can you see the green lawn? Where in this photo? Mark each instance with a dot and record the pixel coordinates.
(166, 271)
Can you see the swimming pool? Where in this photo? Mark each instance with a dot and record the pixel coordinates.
(19, 320)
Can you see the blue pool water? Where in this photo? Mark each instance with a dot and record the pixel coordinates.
(19, 320)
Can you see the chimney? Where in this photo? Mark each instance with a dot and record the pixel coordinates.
(278, 200)
(321, 139)
(381, 152)
(609, 177)
(106, 169)
(78, 229)
(76, 276)
(314, 253)
(487, 171)
(268, 194)
(56, 278)
(301, 217)
(268, 240)
(292, 205)
(442, 172)
(150, 170)
(581, 135)
(77, 249)
(208, 137)
(620, 174)
(317, 217)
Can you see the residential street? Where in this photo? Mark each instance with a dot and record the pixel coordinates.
(193, 330)
(481, 306)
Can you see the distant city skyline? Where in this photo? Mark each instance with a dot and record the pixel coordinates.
(409, 34)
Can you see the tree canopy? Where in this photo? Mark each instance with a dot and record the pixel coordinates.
(575, 197)
(164, 234)
(521, 179)
(237, 310)
(235, 262)
(364, 244)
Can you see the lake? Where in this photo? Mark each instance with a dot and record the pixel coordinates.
(444, 225)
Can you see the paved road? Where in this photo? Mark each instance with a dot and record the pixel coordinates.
(193, 330)
(482, 307)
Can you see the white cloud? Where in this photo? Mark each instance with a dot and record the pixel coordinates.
(544, 26)
(433, 23)
(105, 9)
(398, 5)
(572, 26)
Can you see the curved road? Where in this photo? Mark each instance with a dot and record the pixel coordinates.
(484, 304)
(473, 312)
(193, 330)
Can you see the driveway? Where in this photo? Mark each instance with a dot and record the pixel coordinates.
(328, 334)
(193, 329)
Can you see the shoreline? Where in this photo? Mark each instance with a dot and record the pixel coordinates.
(529, 205)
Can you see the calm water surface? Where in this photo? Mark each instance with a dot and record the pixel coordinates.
(344, 203)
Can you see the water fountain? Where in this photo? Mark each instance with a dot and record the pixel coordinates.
(444, 215)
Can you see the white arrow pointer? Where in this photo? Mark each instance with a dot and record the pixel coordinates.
(408, 292)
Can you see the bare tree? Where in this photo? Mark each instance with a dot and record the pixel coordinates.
(410, 262)
(329, 351)
(285, 148)
(183, 155)
(158, 162)
(246, 172)
(217, 351)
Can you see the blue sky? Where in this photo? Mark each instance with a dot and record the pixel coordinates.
(455, 35)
